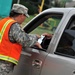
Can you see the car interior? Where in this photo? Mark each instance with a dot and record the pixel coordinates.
(47, 24)
(66, 44)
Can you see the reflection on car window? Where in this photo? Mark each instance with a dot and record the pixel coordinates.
(66, 44)
(47, 24)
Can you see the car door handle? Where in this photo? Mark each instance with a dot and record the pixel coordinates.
(37, 63)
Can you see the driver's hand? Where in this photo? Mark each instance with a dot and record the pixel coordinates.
(38, 36)
(38, 45)
(47, 35)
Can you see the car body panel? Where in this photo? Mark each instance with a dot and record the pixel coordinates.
(27, 63)
(58, 65)
(35, 61)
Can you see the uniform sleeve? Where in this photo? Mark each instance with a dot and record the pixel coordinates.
(17, 34)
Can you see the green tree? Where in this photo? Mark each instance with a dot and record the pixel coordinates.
(33, 4)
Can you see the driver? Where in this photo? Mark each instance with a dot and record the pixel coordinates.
(44, 40)
(47, 35)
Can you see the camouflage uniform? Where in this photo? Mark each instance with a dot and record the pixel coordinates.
(5, 67)
(16, 34)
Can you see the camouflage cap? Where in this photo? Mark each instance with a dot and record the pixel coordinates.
(18, 8)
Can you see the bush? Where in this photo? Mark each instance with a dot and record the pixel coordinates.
(32, 9)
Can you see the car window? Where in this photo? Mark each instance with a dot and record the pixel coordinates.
(66, 44)
(48, 24)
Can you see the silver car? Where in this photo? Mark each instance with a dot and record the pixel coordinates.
(58, 54)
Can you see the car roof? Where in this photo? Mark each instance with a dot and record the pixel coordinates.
(47, 11)
(59, 9)
(56, 10)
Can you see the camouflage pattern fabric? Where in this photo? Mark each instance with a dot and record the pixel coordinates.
(17, 34)
(5, 67)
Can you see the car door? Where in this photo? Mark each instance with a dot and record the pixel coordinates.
(62, 60)
(32, 59)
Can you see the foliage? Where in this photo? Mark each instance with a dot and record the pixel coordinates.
(14, 1)
(32, 8)
(33, 4)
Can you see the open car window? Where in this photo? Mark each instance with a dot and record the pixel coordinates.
(47, 24)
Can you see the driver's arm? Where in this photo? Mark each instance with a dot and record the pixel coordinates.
(47, 35)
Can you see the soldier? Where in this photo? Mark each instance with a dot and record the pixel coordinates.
(13, 38)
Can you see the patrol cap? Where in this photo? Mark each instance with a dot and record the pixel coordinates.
(18, 8)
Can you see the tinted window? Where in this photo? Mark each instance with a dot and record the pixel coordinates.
(66, 44)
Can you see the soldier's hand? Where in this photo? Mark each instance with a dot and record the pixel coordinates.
(38, 45)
